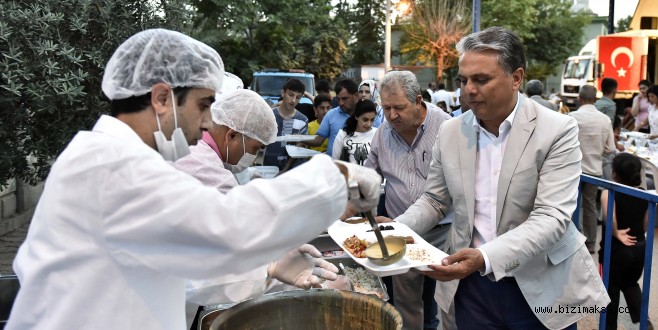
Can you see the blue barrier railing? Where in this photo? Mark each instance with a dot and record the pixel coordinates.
(652, 199)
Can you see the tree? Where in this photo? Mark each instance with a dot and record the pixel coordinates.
(252, 35)
(365, 21)
(624, 24)
(549, 29)
(554, 37)
(436, 27)
(53, 56)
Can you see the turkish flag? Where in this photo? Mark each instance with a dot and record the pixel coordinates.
(622, 60)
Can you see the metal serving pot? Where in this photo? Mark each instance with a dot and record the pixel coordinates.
(315, 309)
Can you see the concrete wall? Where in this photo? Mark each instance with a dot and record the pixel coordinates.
(17, 202)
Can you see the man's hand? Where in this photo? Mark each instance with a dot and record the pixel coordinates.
(349, 212)
(457, 266)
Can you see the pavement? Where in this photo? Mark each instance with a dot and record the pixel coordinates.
(11, 241)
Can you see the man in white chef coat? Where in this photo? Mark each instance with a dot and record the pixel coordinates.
(242, 124)
(118, 229)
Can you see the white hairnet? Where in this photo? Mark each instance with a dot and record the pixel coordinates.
(246, 112)
(231, 83)
(161, 56)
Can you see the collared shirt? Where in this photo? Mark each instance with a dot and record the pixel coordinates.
(595, 136)
(331, 124)
(405, 167)
(608, 107)
(488, 162)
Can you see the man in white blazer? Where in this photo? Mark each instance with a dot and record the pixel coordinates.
(510, 169)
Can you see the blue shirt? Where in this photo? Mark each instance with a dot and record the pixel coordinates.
(332, 123)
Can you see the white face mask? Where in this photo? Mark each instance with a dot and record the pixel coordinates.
(177, 147)
(245, 161)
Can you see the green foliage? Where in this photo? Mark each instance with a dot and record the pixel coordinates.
(252, 35)
(550, 31)
(624, 24)
(365, 20)
(53, 55)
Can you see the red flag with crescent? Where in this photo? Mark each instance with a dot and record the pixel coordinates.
(622, 60)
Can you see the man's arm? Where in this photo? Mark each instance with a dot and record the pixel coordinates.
(318, 141)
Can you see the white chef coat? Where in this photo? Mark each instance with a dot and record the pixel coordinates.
(205, 165)
(118, 230)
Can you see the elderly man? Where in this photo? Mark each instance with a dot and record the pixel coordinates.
(596, 141)
(510, 170)
(407, 137)
(116, 220)
(535, 89)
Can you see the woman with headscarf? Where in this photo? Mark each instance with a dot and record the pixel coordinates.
(368, 90)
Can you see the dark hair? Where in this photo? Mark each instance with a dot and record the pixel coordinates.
(534, 87)
(361, 107)
(139, 103)
(608, 85)
(294, 85)
(426, 96)
(321, 98)
(442, 86)
(322, 86)
(506, 43)
(627, 169)
(347, 84)
(653, 90)
(645, 83)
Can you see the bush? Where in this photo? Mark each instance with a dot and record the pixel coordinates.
(53, 56)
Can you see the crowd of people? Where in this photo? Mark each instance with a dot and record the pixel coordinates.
(156, 210)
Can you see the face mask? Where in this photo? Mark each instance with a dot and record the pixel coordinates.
(245, 161)
(177, 147)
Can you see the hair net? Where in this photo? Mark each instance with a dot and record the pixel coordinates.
(231, 83)
(161, 56)
(246, 112)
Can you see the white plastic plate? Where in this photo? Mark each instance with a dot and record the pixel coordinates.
(339, 231)
(298, 152)
(295, 138)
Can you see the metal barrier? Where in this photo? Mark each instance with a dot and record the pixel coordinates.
(652, 199)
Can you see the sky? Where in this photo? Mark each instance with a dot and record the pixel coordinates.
(623, 8)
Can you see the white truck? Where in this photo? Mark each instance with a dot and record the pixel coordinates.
(627, 57)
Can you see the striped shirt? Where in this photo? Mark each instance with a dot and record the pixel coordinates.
(404, 166)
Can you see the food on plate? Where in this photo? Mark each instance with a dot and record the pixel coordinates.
(364, 282)
(382, 227)
(356, 246)
(421, 255)
(353, 221)
(407, 239)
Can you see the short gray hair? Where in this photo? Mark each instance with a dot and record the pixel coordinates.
(401, 79)
(587, 93)
(506, 43)
(534, 87)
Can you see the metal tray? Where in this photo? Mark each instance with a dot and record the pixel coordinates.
(348, 262)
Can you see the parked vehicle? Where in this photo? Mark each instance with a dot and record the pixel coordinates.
(628, 57)
(268, 84)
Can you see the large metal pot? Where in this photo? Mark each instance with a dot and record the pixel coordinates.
(310, 310)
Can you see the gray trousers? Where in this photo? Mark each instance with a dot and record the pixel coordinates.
(589, 212)
(408, 287)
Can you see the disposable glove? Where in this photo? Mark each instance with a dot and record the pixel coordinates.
(363, 184)
(303, 267)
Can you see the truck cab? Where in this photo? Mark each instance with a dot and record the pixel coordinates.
(578, 71)
(268, 84)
